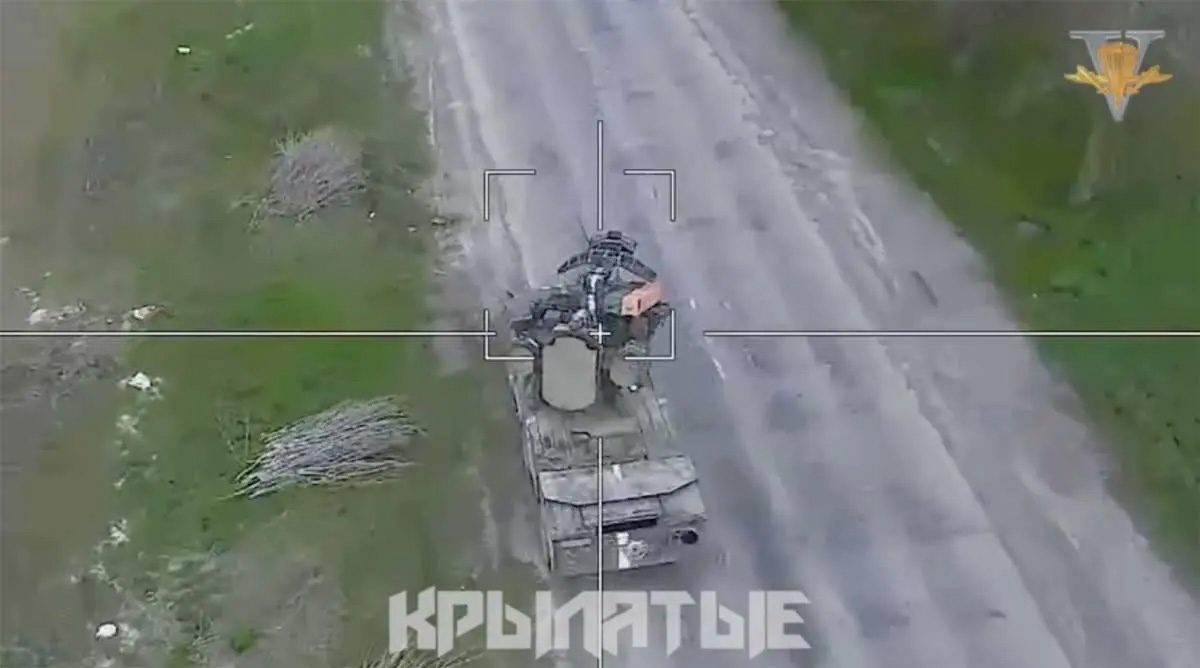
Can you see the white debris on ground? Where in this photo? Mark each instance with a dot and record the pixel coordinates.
(97, 318)
(45, 316)
(138, 621)
(127, 424)
(240, 31)
(40, 315)
(144, 622)
(118, 534)
(127, 431)
(353, 442)
(138, 381)
(143, 383)
(144, 313)
(139, 315)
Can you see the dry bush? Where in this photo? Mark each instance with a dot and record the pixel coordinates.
(312, 171)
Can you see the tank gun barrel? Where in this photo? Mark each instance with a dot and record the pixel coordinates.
(610, 250)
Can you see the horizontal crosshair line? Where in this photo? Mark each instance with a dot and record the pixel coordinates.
(384, 334)
(949, 333)
(243, 334)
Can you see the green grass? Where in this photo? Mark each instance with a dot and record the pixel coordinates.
(193, 136)
(242, 640)
(984, 121)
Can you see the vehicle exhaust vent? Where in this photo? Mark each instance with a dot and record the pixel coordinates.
(630, 525)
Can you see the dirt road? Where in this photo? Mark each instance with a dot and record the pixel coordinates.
(937, 499)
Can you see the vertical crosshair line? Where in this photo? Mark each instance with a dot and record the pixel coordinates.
(600, 175)
(600, 551)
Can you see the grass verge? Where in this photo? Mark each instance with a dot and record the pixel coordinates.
(184, 104)
(1088, 224)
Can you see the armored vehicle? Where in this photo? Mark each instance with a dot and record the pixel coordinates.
(612, 491)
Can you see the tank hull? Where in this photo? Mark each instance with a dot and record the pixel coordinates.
(613, 494)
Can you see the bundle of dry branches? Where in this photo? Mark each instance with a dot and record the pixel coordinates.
(418, 659)
(313, 171)
(353, 442)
